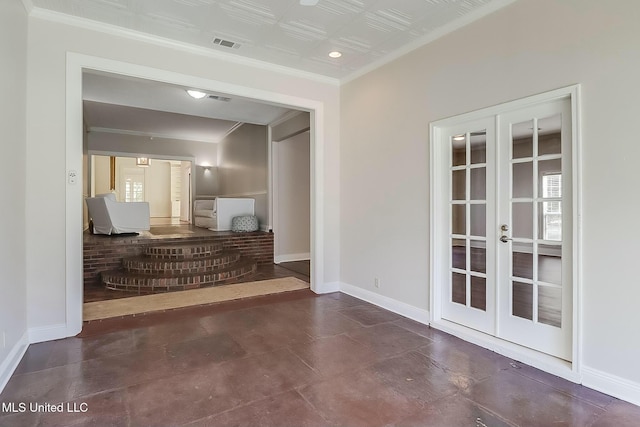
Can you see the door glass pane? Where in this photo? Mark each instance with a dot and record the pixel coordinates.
(479, 293)
(522, 214)
(550, 227)
(522, 139)
(549, 305)
(522, 300)
(458, 254)
(549, 139)
(550, 178)
(550, 264)
(478, 256)
(458, 185)
(459, 288)
(458, 150)
(479, 147)
(522, 258)
(458, 219)
(478, 183)
(522, 180)
(478, 220)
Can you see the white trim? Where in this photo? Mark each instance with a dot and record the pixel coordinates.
(49, 333)
(114, 30)
(611, 384)
(28, 6)
(398, 307)
(74, 139)
(430, 37)
(96, 129)
(132, 155)
(292, 257)
(285, 117)
(247, 194)
(76, 63)
(325, 288)
(11, 362)
(517, 352)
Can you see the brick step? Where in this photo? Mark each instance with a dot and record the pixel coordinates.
(122, 280)
(149, 265)
(185, 251)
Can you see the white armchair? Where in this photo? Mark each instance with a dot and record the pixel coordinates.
(112, 217)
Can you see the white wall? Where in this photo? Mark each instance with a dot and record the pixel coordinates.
(242, 166)
(48, 46)
(291, 203)
(530, 47)
(13, 285)
(203, 152)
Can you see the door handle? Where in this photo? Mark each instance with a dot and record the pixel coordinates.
(503, 238)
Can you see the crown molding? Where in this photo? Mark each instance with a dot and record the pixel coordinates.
(88, 24)
(97, 129)
(429, 38)
(28, 6)
(286, 116)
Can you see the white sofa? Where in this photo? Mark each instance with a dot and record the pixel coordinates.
(112, 217)
(216, 214)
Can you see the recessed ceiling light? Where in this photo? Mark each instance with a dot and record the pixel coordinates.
(196, 94)
(335, 54)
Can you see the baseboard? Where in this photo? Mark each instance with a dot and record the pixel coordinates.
(544, 362)
(48, 333)
(325, 288)
(292, 257)
(398, 307)
(9, 365)
(611, 384)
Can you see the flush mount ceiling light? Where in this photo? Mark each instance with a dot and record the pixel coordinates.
(196, 94)
(458, 137)
(335, 54)
(309, 2)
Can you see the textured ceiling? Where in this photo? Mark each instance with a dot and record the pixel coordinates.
(283, 32)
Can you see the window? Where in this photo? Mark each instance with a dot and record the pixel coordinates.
(552, 208)
(133, 185)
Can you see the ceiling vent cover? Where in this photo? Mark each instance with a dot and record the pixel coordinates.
(220, 98)
(226, 43)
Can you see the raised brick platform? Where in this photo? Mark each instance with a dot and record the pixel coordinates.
(104, 253)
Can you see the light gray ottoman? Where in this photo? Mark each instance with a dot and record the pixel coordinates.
(244, 223)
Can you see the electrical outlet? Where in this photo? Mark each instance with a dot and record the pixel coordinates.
(376, 283)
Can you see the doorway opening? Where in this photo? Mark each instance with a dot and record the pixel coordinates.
(77, 65)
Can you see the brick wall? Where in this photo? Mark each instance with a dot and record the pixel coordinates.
(103, 253)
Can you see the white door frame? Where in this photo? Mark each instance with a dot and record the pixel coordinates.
(439, 216)
(76, 64)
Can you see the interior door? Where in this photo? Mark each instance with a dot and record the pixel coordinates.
(534, 248)
(503, 226)
(469, 297)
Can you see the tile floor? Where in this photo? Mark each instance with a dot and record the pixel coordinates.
(296, 359)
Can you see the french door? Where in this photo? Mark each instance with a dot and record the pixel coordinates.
(503, 225)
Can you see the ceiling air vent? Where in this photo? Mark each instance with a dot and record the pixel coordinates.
(226, 43)
(220, 98)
